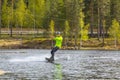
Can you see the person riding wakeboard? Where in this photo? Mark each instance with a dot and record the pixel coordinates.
(58, 44)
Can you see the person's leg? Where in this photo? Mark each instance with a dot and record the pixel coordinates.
(53, 52)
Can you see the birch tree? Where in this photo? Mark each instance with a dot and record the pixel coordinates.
(114, 31)
(66, 31)
(52, 29)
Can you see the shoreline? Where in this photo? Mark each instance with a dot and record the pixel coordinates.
(45, 44)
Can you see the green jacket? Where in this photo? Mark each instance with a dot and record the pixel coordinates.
(58, 41)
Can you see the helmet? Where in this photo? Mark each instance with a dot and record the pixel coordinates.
(58, 32)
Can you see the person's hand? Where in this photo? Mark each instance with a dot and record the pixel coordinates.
(52, 37)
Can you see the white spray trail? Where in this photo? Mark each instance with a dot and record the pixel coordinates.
(30, 58)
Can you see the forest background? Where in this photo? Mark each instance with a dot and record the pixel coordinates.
(83, 23)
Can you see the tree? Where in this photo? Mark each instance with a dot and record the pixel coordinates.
(0, 15)
(56, 12)
(81, 22)
(39, 11)
(20, 12)
(52, 31)
(115, 9)
(35, 14)
(114, 30)
(92, 16)
(84, 32)
(7, 14)
(103, 11)
(52, 24)
(67, 28)
(66, 31)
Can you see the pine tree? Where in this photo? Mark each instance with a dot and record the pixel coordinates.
(103, 11)
(115, 9)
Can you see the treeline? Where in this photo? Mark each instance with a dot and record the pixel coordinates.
(73, 17)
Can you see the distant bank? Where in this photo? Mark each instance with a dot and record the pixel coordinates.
(47, 44)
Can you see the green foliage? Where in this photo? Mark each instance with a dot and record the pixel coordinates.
(115, 9)
(67, 28)
(40, 12)
(6, 14)
(57, 12)
(20, 12)
(114, 30)
(28, 19)
(81, 19)
(36, 9)
(104, 6)
(84, 33)
(4, 11)
(52, 27)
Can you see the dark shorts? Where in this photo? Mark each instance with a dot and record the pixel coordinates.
(54, 50)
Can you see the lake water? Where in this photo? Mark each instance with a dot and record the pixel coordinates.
(30, 64)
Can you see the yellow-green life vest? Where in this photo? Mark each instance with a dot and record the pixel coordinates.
(58, 41)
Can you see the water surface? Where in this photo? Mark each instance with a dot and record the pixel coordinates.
(30, 64)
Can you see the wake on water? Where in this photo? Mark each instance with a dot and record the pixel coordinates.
(29, 58)
(36, 58)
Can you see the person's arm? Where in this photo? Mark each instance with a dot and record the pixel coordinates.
(52, 38)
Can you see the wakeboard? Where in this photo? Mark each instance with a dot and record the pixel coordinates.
(53, 62)
(48, 60)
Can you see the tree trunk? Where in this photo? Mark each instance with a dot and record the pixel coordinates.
(103, 30)
(0, 16)
(92, 17)
(11, 22)
(98, 23)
